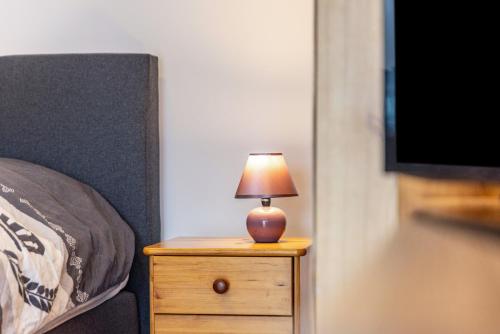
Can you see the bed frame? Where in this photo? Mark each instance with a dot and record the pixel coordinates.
(93, 117)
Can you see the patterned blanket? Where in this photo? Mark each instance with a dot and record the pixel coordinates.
(62, 246)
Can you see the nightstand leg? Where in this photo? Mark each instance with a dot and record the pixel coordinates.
(296, 295)
(151, 297)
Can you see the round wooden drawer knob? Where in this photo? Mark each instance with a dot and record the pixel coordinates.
(221, 286)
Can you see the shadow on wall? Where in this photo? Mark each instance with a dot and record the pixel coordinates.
(295, 207)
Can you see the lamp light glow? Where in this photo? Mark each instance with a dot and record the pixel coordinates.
(266, 176)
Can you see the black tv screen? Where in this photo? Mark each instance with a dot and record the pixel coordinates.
(441, 88)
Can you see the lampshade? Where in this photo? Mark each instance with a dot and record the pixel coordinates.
(265, 176)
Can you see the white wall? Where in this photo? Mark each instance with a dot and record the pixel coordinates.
(236, 77)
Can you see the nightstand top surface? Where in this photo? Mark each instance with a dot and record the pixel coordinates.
(229, 247)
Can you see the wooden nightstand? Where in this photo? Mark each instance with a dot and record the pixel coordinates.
(225, 285)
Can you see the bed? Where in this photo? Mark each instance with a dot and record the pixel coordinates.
(93, 117)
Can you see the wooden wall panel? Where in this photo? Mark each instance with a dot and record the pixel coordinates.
(356, 206)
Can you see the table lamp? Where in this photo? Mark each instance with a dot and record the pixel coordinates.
(266, 176)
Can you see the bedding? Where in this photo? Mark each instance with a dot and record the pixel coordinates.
(63, 248)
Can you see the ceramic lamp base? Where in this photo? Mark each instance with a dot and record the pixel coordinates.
(266, 224)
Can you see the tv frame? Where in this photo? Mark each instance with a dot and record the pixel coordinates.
(390, 76)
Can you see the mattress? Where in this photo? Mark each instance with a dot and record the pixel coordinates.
(80, 309)
(117, 315)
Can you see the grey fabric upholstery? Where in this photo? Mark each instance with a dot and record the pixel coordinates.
(117, 315)
(93, 117)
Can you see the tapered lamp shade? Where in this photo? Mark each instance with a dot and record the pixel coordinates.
(265, 176)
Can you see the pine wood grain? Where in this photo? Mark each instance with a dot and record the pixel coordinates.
(258, 285)
(229, 247)
(296, 294)
(263, 295)
(470, 202)
(151, 296)
(198, 324)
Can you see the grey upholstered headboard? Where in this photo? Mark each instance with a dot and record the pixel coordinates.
(93, 117)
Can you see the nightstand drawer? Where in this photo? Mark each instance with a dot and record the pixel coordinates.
(197, 324)
(255, 285)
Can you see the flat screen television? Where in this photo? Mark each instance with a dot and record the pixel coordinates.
(442, 89)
